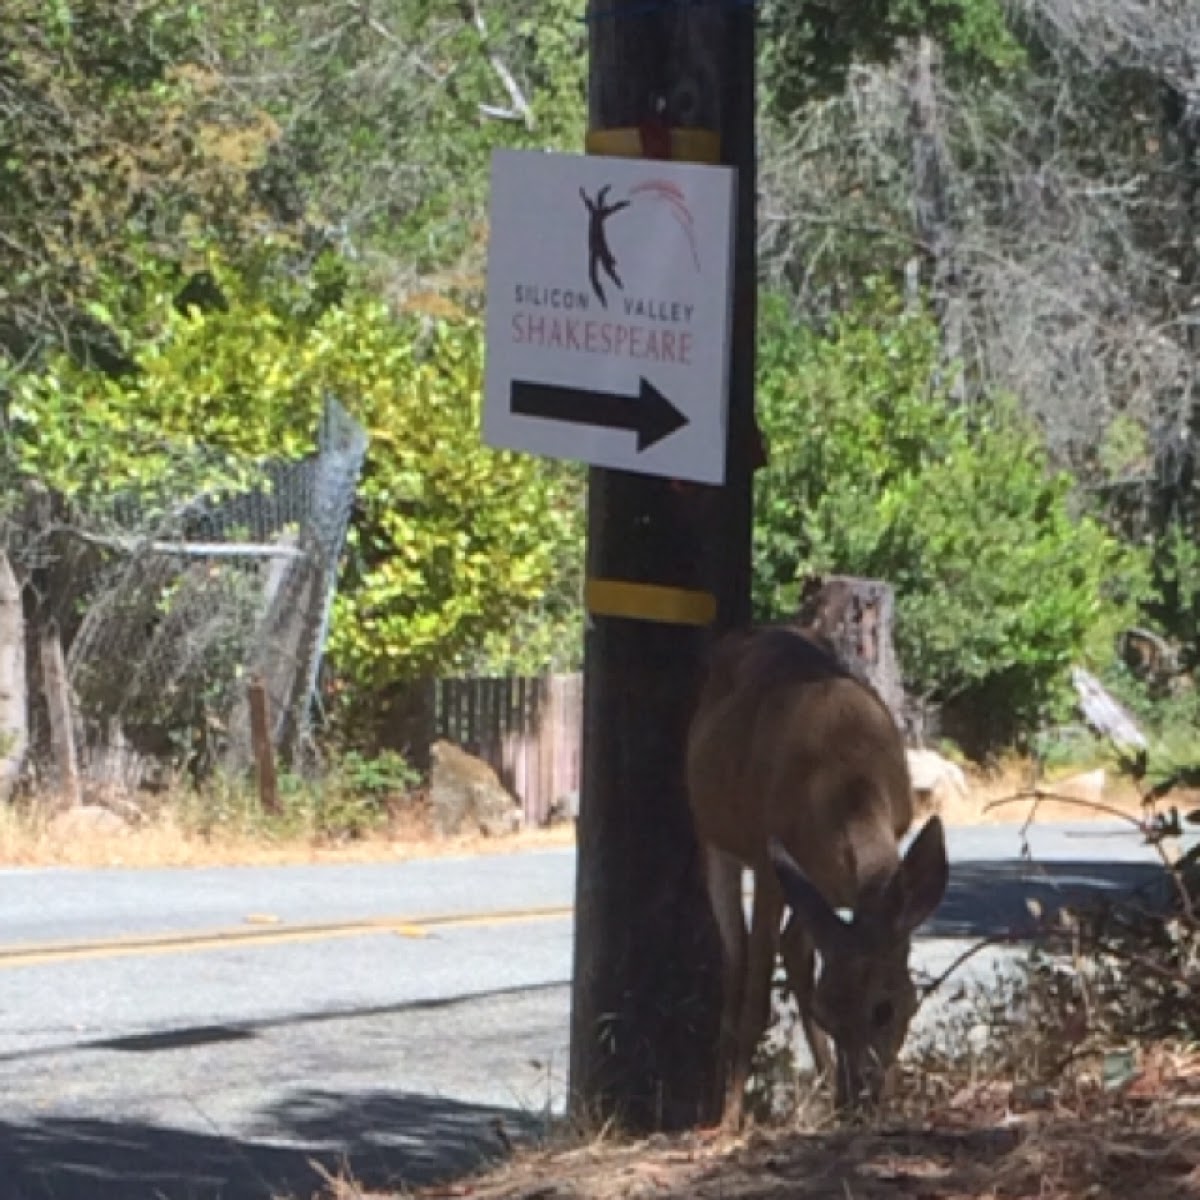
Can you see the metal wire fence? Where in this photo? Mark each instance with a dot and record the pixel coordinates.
(171, 610)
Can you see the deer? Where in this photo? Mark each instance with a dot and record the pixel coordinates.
(796, 770)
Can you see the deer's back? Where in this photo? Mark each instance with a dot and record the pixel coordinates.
(786, 742)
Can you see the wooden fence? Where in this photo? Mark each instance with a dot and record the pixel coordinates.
(527, 729)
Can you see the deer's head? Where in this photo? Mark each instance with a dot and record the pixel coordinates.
(865, 996)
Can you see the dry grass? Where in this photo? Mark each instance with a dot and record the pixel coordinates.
(32, 838)
(170, 834)
(1015, 776)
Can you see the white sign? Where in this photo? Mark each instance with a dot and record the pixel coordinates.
(608, 312)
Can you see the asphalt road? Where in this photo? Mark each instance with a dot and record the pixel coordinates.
(209, 1033)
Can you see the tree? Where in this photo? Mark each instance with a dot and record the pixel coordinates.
(388, 114)
(1053, 199)
(451, 541)
(14, 707)
(121, 143)
(1065, 226)
(196, 192)
(146, 130)
(999, 583)
(811, 50)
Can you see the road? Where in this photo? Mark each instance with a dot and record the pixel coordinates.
(207, 1033)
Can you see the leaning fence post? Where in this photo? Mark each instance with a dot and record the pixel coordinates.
(58, 704)
(264, 751)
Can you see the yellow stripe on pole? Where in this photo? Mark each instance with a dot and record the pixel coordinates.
(615, 597)
(649, 602)
(687, 145)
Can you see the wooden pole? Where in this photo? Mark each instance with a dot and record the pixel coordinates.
(62, 725)
(264, 750)
(14, 681)
(56, 684)
(667, 80)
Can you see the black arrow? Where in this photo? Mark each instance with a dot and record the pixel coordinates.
(649, 414)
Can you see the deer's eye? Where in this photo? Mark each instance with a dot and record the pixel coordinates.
(882, 1014)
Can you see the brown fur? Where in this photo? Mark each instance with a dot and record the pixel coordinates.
(786, 744)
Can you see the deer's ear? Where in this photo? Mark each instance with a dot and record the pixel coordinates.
(921, 881)
(830, 934)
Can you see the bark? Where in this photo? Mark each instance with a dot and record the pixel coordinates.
(932, 205)
(14, 696)
(61, 709)
(857, 617)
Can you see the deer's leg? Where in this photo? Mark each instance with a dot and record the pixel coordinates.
(756, 998)
(800, 959)
(723, 875)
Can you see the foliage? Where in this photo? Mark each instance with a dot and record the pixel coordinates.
(326, 165)
(389, 114)
(143, 129)
(120, 142)
(458, 539)
(354, 798)
(1170, 717)
(184, 414)
(873, 472)
(450, 542)
(1177, 575)
(192, 189)
(547, 637)
(1113, 981)
(1059, 194)
(1131, 970)
(811, 48)
(380, 775)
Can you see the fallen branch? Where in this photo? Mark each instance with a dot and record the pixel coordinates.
(1151, 829)
(996, 939)
(132, 545)
(519, 109)
(1038, 794)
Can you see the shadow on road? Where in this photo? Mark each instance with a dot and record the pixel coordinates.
(989, 899)
(200, 1035)
(392, 1140)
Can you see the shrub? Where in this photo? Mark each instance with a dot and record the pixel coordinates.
(451, 542)
(1000, 585)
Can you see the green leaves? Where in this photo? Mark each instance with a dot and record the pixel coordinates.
(874, 472)
(452, 543)
(810, 48)
(128, 142)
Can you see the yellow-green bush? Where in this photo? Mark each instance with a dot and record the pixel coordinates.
(451, 541)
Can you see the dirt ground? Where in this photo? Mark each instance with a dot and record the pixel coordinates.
(1067, 796)
(974, 1141)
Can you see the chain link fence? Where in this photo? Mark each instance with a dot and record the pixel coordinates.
(167, 612)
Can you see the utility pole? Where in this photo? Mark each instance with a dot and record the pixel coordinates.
(668, 566)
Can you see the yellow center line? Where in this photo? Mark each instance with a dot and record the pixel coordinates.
(38, 954)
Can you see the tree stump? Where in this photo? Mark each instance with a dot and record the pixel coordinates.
(857, 616)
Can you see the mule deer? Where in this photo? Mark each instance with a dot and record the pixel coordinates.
(797, 771)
